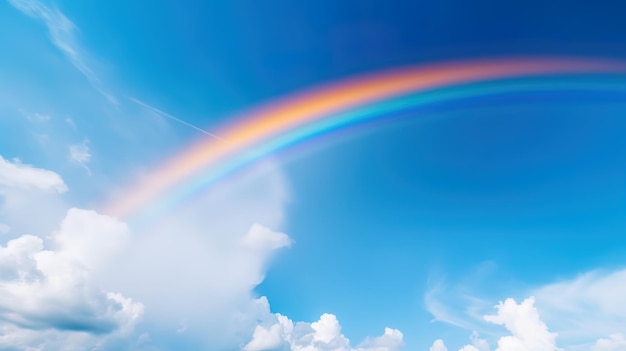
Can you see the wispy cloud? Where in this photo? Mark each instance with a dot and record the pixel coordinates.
(71, 123)
(38, 117)
(590, 305)
(81, 154)
(62, 34)
(451, 305)
(62, 31)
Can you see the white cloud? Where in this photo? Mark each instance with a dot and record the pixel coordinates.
(197, 267)
(81, 154)
(322, 335)
(48, 295)
(212, 259)
(438, 345)
(61, 31)
(25, 190)
(468, 348)
(262, 239)
(392, 339)
(327, 330)
(90, 238)
(270, 338)
(200, 264)
(528, 331)
(478, 344)
(18, 175)
(615, 342)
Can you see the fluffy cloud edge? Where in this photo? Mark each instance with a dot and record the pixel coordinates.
(59, 301)
(322, 335)
(16, 174)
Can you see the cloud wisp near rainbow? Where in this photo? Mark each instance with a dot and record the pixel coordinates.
(277, 125)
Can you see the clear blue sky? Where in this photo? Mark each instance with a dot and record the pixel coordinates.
(420, 223)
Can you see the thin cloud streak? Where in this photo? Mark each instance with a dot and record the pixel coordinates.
(165, 114)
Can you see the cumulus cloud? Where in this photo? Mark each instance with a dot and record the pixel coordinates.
(15, 174)
(392, 339)
(50, 291)
(322, 335)
(438, 345)
(477, 345)
(199, 265)
(528, 331)
(270, 338)
(194, 270)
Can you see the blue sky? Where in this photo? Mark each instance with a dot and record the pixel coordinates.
(398, 235)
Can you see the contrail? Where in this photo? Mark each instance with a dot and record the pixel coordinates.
(162, 113)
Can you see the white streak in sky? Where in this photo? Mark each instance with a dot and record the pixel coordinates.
(165, 114)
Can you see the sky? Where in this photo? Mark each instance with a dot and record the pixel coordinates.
(481, 224)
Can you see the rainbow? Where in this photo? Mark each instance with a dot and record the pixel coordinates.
(275, 126)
